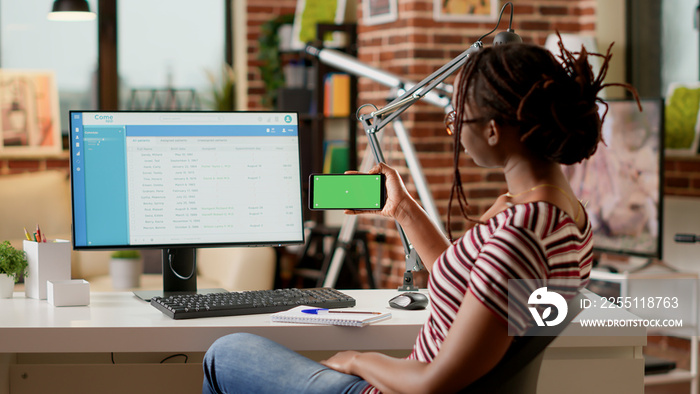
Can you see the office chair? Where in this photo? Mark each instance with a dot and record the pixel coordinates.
(519, 369)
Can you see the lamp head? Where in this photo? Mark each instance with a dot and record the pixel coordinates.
(507, 37)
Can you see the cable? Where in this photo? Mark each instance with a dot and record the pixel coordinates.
(194, 265)
(510, 22)
(163, 360)
(357, 113)
(499, 20)
(176, 355)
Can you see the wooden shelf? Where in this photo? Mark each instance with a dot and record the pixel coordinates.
(673, 376)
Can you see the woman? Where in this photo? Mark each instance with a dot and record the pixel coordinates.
(518, 108)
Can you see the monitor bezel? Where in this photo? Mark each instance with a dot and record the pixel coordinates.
(183, 245)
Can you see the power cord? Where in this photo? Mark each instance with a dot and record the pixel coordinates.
(176, 355)
(163, 360)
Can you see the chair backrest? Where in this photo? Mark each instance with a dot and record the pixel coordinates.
(519, 369)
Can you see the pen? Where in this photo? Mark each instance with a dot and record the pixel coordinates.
(323, 311)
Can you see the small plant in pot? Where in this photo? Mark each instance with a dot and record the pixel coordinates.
(13, 265)
(125, 269)
(271, 67)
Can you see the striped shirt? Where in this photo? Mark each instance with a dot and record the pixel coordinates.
(535, 240)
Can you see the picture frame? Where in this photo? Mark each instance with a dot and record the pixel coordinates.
(465, 10)
(682, 119)
(310, 13)
(29, 113)
(376, 12)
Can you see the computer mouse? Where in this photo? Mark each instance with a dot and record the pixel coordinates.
(409, 300)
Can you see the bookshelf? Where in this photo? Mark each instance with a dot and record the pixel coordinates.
(325, 128)
(330, 126)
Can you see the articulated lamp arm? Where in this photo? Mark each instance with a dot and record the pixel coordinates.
(431, 89)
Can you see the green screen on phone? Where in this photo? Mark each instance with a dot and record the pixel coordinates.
(347, 191)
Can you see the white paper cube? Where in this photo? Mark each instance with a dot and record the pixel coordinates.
(75, 292)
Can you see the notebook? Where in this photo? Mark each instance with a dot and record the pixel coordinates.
(334, 317)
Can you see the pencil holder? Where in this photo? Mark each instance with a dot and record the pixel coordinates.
(47, 261)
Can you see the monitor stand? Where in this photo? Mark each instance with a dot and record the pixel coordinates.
(179, 275)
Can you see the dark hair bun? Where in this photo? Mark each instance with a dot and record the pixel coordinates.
(560, 119)
(554, 100)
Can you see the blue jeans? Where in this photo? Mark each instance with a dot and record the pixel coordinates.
(247, 363)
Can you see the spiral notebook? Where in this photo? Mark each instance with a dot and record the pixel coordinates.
(335, 317)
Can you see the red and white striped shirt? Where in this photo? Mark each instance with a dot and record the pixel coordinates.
(535, 240)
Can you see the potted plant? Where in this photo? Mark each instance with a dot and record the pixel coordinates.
(13, 265)
(223, 94)
(125, 269)
(270, 57)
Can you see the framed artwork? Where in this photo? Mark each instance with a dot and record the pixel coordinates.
(681, 123)
(309, 13)
(375, 12)
(29, 114)
(465, 10)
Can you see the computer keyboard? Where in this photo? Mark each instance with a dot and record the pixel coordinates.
(190, 306)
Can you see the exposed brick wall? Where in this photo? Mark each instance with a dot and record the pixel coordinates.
(413, 47)
(260, 12)
(682, 176)
(19, 164)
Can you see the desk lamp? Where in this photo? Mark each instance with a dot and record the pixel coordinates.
(376, 120)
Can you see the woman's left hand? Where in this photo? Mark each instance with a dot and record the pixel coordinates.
(342, 361)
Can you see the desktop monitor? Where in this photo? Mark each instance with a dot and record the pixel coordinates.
(621, 185)
(178, 181)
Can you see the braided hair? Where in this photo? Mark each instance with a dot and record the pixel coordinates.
(553, 103)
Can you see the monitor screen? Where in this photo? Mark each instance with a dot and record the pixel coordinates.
(621, 185)
(181, 180)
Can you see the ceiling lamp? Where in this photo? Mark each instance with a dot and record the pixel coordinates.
(71, 10)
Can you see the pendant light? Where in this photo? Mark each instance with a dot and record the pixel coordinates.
(71, 10)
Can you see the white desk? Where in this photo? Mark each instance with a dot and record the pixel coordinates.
(70, 348)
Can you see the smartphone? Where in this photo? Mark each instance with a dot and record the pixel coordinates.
(346, 191)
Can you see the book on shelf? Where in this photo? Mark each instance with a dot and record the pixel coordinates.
(336, 157)
(337, 95)
(334, 317)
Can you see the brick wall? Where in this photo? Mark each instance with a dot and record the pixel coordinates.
(682, 176)
(260, 12)
(19, 164)
(413, 47)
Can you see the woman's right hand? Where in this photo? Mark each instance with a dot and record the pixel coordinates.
(396, 194)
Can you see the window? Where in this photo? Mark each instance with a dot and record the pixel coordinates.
(29, 41)
(679, 43)
(166, 49)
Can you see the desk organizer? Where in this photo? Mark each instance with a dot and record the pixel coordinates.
(74, 292)
(47, 261)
